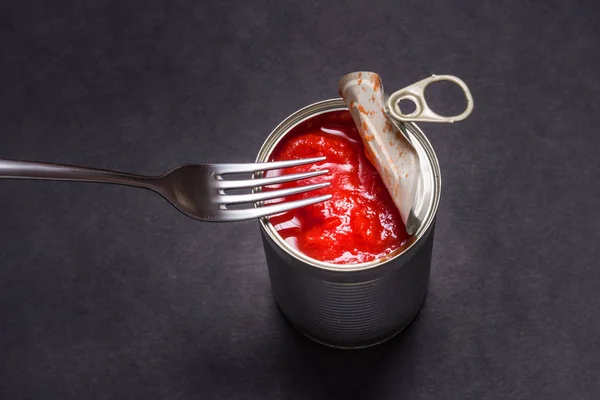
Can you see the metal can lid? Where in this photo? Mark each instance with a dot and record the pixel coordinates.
(388, 147)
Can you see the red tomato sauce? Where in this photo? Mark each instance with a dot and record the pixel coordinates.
(360, 223)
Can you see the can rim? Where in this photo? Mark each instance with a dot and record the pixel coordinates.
(338, 104)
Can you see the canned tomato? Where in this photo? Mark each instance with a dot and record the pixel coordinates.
(355, 305)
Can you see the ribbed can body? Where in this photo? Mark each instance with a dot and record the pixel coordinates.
(353, 306)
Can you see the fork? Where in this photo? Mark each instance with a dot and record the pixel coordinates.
(196, 190)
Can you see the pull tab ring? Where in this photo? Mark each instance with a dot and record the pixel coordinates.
(416, 94)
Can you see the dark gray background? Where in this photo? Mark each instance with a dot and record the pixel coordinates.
(108, 292)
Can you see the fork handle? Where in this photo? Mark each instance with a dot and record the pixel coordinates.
(58, 172)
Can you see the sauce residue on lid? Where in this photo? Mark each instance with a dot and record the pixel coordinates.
(360, 223)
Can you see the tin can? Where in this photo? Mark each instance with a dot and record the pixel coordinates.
(359, 305)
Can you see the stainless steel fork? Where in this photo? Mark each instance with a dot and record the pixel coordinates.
(196, 190)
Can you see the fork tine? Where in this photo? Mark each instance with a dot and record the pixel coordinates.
(250, 198)
(257, 167)
(249, 183)
(259, 212)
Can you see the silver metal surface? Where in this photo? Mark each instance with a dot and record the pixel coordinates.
(196, 190)
(359, 305)
(416, 94)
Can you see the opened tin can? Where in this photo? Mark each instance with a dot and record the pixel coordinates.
(359, 305)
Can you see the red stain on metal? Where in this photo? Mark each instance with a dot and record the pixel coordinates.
(388, 126)
(370, 155)
(365, 127)
(364, 111)
(376, 81)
